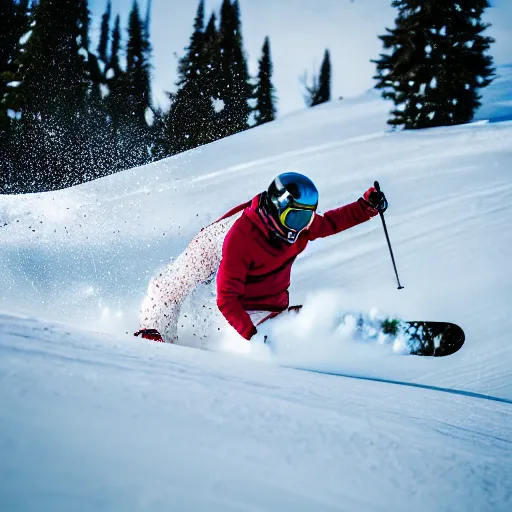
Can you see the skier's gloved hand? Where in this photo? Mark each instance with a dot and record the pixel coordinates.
(376, 199)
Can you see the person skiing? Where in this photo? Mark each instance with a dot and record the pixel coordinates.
(251, 250)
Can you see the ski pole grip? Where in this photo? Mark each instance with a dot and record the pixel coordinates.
(377, 186)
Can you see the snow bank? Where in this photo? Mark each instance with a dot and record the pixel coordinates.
(91, 422)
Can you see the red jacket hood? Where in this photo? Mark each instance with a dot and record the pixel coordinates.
(255, 216)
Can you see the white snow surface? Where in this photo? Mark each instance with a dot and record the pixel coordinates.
(92, 418)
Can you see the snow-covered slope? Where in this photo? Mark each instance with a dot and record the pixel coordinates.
(103, 421)
(88, 423)
(84, 255)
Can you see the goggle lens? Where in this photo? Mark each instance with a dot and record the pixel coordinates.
(297, 219)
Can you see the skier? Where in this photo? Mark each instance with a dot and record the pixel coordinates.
(251, 249)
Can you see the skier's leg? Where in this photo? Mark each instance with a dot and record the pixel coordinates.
(159, 312)
(160, 309)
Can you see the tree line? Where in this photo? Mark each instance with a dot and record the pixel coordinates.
(69, 113)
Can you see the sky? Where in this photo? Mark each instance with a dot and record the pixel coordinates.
(299, 31)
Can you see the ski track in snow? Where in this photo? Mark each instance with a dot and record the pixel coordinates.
(92, 419)
(421, 386)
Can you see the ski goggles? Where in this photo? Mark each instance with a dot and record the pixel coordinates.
(297, 217)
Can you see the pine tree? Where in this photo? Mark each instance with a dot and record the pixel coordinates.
(52, 95)
(100, 143)
(212, 74)
(8, 35)
(265, 91)
(130, 92)
(437, 63)
(14, 23)
(159, 135)
(190, 120)
(104, 34)
(320, 89)
(324, 86)
(115, 105)
(100, 140)
(137, 68)
(234, 80)
(189, 68)
(212, 53)
(116, 46)
(119, 130)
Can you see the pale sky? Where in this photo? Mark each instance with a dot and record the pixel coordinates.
(299, 30)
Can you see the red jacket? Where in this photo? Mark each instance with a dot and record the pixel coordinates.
(254, 273)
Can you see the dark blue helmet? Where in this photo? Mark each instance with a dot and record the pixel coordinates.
(291, 201)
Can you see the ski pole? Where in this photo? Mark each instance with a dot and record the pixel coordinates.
(400, 287)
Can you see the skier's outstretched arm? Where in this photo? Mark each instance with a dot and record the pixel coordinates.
(345, 217)
(231, 279)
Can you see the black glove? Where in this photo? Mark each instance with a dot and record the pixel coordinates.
(376, 199)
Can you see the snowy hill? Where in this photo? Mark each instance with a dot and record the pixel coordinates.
(92, 419)
(94, 423)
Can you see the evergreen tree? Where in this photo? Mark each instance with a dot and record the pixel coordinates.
(438, 62)
(265, 91)
(101, 141)
(125, 104)
(116, 46)
(159, 147)
(234, 85)
(14, 23)
(115, 102)
(52, 95)
(104, 34)
(324, 85)
(190, 121)
(136, 87)
(137, 67)
(127, 97)
(320, 89)
(125, 145)
(7, 41)
(211, 48)
(189, 68)
(212, 75)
